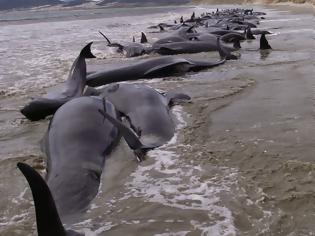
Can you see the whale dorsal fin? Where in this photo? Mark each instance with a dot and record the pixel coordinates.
(264, 44)
(86, 51)
(192, 16)
(47, 218)
(77, 76)
(143, 38)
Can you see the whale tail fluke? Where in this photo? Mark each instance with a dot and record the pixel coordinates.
(86, 51)
(143, 38)
(47, 218)
(264, 44)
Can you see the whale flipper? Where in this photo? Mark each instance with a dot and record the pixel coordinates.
(132, 140)
(110, 44)
(108, 41)
(47, 218)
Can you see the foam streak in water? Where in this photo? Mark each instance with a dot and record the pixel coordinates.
(171, 181)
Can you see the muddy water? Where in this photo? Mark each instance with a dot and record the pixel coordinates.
(241, 162)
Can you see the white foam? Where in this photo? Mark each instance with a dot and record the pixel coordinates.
(15, 219)
(180, 184)
(20, 197)
(89, 232)
(181, 233)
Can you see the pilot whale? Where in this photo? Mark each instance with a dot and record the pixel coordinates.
(155, 68)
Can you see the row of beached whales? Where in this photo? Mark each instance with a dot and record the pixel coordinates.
(88, 122)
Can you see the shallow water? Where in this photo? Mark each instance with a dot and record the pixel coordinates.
(204, 181)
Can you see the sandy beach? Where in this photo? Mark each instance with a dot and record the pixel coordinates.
(262, 123)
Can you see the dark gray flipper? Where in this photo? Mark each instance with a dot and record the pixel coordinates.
(110, 44)
(47, 218)
(143, 38)
(132, 140)
(107, 39)
(264, 43)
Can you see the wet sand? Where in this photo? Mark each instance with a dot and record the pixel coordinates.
(263, 125)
